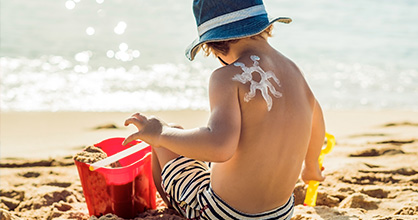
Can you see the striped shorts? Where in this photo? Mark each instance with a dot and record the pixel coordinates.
(186, 183)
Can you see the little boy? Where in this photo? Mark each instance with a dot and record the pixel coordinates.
(265, 124)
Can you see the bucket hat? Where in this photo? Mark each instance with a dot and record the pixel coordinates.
(227, 20)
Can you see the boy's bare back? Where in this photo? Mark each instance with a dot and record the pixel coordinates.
(273, 143)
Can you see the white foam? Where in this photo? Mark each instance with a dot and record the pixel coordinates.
(26, 85)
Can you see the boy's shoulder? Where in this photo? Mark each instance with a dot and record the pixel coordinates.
(225, 72)
(221, 80)
(246, 65)
(236, 66)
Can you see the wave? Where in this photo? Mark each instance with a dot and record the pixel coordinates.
(52, 83)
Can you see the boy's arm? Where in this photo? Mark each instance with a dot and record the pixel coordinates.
(217, 142)
(311, 169)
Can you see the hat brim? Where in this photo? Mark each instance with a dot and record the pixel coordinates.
(240, 29)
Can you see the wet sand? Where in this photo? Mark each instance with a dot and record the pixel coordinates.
(372, 173)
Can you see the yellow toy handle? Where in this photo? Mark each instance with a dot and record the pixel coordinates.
(312, 190)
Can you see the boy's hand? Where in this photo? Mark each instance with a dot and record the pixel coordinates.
(312, 173)
(149, 129)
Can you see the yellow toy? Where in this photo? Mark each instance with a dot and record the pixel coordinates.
(312, 191)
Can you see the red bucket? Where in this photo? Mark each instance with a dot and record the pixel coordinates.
(124, 191)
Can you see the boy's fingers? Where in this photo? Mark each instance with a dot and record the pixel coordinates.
(130, 138)
(139, 116)
(137, 122)
(136, 116)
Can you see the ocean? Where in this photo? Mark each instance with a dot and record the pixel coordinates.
(128, 55)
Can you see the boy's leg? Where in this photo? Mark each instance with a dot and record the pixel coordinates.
(160, 156)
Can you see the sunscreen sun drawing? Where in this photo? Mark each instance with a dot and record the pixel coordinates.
(264, 85)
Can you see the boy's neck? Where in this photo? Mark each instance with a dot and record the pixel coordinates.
(247, 46)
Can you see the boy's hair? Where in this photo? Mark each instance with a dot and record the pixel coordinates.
(222, 47)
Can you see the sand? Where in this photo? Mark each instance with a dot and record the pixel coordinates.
(90, 154)
(372, 173)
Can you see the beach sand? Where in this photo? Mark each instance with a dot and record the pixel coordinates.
(372, 173)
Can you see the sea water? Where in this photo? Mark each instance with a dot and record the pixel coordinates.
(128, 55)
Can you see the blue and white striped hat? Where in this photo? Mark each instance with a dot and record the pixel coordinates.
(220, 20)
